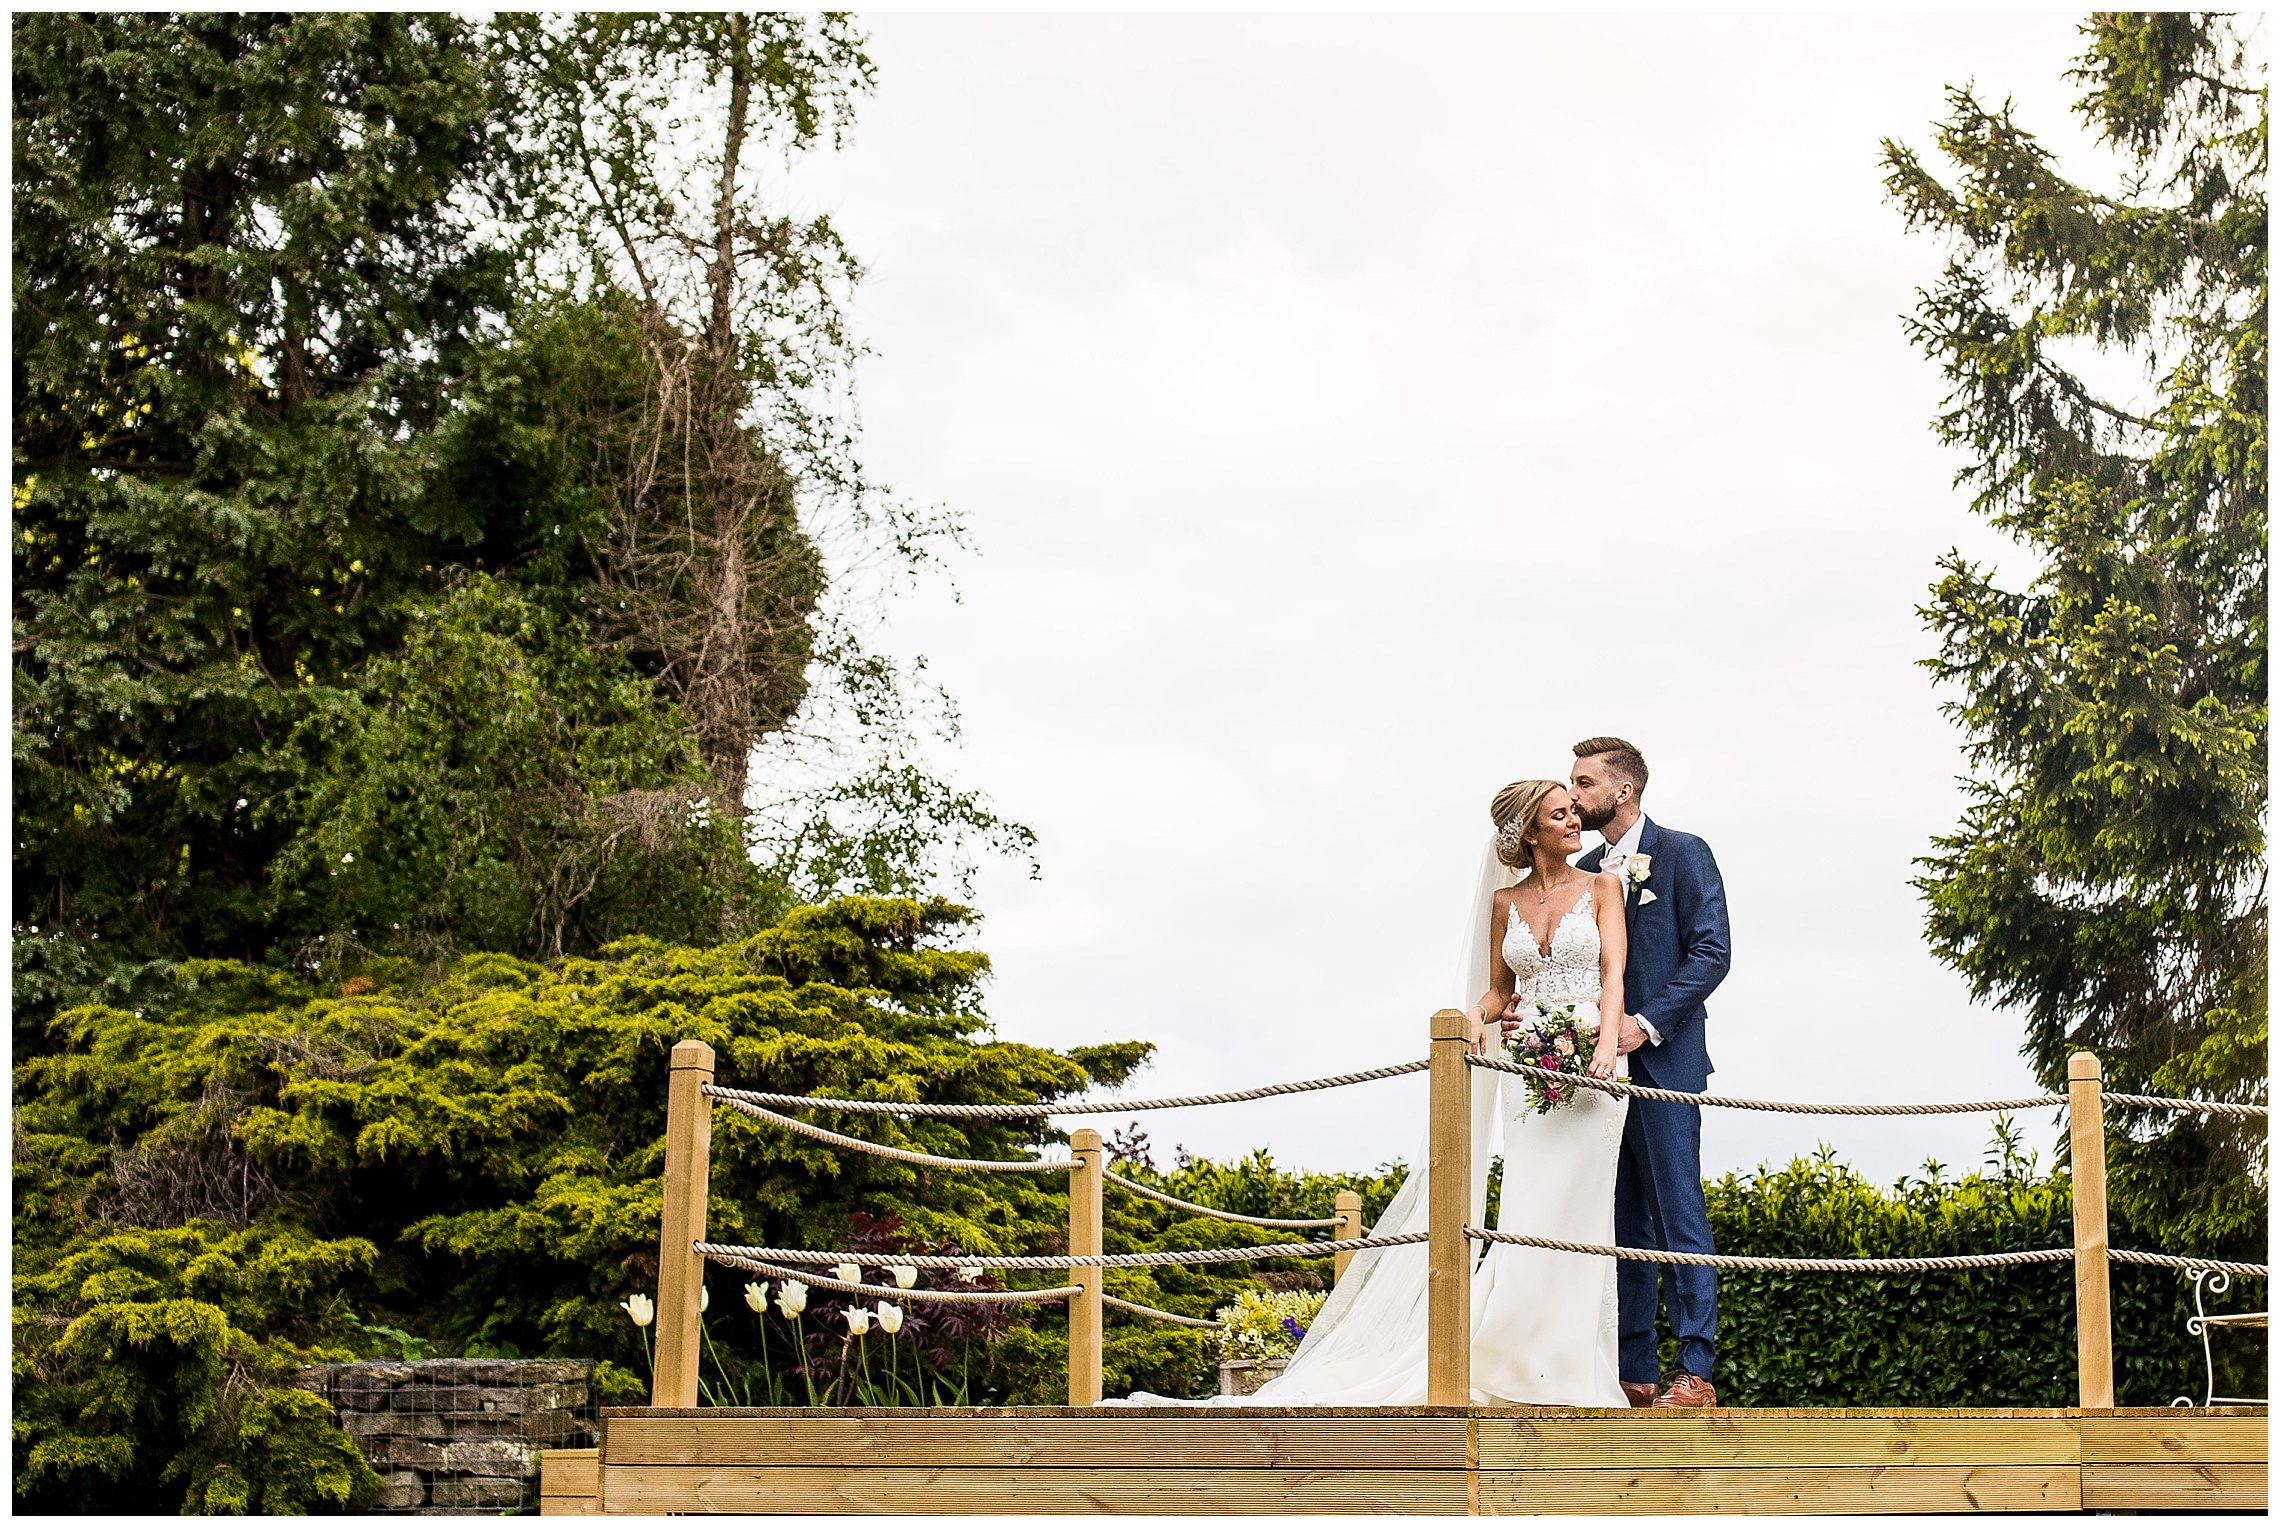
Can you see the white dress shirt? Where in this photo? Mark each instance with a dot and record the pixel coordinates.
(1617, 856)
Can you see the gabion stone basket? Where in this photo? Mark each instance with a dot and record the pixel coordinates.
(460, 1434)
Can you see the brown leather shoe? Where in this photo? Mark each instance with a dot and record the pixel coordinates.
(1641, 1392)
(1688, 1390)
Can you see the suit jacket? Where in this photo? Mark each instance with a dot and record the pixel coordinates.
(1680, 951)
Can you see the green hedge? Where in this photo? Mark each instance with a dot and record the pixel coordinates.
(1980, 1337)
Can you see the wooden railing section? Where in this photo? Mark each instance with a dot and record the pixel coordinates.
(688, 1135)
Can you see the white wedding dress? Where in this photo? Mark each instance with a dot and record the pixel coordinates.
(1543, 1323)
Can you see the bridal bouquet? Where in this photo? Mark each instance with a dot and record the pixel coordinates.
(1557, 1041)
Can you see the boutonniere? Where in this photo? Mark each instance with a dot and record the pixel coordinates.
(1637, 870)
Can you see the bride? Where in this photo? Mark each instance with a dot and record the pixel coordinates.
(1543, 1323)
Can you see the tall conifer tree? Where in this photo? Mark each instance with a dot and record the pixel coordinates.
(2108, 876)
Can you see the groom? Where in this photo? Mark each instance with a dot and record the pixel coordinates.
(1675, 905)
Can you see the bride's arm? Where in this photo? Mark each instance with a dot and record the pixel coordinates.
(1614, 953)
(1499, 993)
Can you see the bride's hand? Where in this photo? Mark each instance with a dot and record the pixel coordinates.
(1602, 1062)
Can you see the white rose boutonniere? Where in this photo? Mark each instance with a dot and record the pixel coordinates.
(1636, 871)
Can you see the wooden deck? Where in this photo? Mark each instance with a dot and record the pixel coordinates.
(1418, 1460)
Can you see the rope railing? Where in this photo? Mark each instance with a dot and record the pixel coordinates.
(2190, 1105)
(1192, 1256)
(1781, 1264)
(1193, 1100)
(1145, 1192)
(2207, 1265)
(894, 1292)
(1075, 1106)
(1150, 1311)
(1717, 1101)
(895, 1153)
(1857, 1264)
(1447, 1243)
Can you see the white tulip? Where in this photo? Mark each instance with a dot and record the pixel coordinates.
(756, 1296)
(905, 1275)
(890, 1317)
(858, 1320)
(704, 1299)
(791, 1297)
(641, 1308)
(847, 1273)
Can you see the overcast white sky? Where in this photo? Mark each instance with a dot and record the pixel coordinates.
(1351, 413)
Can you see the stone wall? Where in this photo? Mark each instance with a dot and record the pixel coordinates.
(460, 1434)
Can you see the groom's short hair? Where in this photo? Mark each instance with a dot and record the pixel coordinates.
(1622, 760)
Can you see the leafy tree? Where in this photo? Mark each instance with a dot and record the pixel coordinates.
(247, 271)
(737, 311)
(312, 323)
(501, 784)
(2108, 877)
(736, 458)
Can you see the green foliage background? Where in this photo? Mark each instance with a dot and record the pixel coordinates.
(1977, 1337)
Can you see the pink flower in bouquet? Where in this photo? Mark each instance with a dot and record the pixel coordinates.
(1563, 1045)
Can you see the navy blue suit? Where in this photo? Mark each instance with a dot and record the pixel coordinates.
(1680, 951)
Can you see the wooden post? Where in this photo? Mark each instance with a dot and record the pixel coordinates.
(1084, 1241)
(1448, 1279)
(681, 1272)
(1348, 1208)
(2093, 1305)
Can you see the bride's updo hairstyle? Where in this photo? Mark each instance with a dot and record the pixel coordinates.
(1514, 810)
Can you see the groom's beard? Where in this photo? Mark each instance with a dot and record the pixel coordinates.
(1595, 820)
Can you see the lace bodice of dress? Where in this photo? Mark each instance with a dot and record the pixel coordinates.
(1570, 973)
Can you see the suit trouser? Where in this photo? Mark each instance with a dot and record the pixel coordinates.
(1658, 1203)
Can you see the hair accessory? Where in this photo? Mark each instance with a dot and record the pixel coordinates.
(1508, 839)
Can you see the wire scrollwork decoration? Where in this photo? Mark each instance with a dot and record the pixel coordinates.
(2215, 1281)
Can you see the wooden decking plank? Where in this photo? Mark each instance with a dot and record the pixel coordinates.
(2181, 1437)
(2176, 1487)
(569, 1482)
(1913, 1488)
(825, 1489)
(1740, 1438)
(569, 1471)
(1219, 1441)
